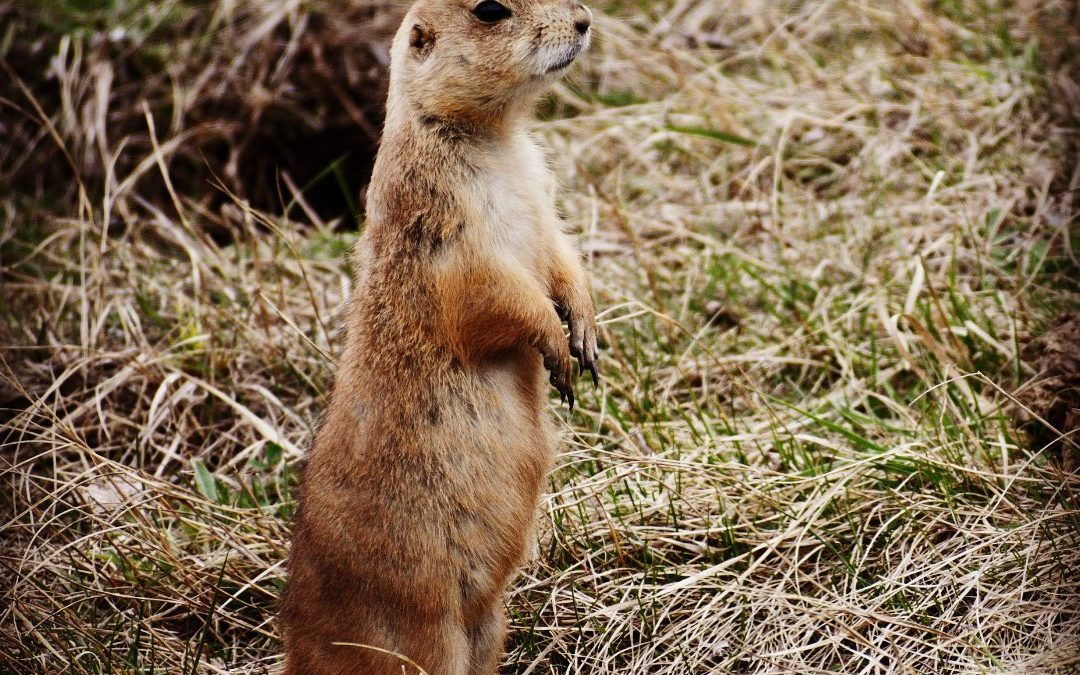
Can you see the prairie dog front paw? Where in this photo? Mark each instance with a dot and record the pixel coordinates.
(582, 323)
(558, 364)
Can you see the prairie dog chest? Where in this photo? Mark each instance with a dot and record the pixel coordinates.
(516, 203)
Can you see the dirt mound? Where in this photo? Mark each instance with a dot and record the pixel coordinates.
(245, 92)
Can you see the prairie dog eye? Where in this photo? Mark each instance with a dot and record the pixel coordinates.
(490, 11)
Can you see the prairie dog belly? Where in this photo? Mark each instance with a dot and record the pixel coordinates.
(498, 469)
(511, 441)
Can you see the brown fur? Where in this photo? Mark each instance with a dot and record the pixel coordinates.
(420, 490)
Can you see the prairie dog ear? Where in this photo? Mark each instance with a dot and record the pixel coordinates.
(421, 40)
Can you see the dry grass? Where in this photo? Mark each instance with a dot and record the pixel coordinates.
(820, 234)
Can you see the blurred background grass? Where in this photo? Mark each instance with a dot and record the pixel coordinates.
(835, 254)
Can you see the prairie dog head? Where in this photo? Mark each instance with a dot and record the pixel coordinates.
(477, 62)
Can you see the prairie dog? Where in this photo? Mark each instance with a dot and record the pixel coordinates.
(420, 490)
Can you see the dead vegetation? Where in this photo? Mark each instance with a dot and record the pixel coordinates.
(821, 235)
(269, 98)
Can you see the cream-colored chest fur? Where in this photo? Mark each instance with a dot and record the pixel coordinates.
(513, 197)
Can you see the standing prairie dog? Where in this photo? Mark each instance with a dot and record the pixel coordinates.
(421, 488)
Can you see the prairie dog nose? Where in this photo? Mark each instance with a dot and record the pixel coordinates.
(582, 18)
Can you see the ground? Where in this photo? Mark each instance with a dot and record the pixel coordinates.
(834, 248)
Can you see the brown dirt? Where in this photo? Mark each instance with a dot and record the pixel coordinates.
(251, 92)
(1054, 394)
